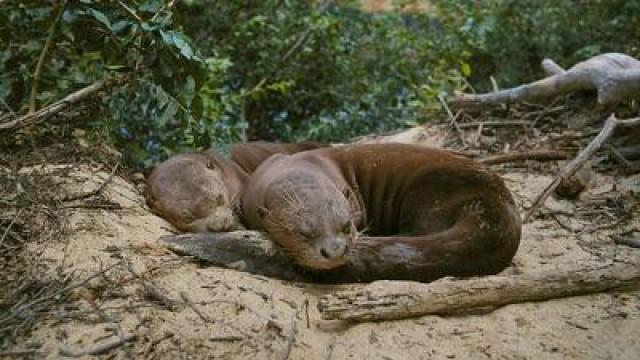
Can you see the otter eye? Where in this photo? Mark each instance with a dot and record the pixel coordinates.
(186, 216)
(307, 234)
(346, 228)
(219, 200)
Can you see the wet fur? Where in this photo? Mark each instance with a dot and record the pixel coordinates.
(418, 213)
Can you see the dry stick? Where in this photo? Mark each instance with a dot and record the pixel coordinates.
(43, 56)
(22, 352)
(453, 120)
(540, 155)
(495, 124)
(97, 191)
(59, 106)
(386, 300)
(575, 165)
(291, 337)
(100, 348)
(17, 312)
(6, 232)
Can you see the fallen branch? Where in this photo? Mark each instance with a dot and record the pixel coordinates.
(540, 155)
(100, 348)
(626, 241)
(495, 124)
(55, 108)
(616, 77)
(575, 165)
(248, 251)
(96, 191)
(386, 300)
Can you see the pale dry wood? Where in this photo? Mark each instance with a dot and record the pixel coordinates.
(249, 251)
(551, 68)
(615, 77)
(607, 130)
(386, 300)
(539, 155)
(55, 108)
(98, 349)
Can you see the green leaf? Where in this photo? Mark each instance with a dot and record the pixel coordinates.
(465, 68)
(101, 17)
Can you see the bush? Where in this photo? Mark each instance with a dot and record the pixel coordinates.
(207, 72)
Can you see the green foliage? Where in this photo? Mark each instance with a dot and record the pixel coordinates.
(327, 72)
(206, 73)
(516, 35)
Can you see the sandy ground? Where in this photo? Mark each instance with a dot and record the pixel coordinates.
(179, 309)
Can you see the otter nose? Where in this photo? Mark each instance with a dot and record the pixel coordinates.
(334, 249)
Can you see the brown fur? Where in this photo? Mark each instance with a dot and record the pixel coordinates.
(384, 211)
(197, 192)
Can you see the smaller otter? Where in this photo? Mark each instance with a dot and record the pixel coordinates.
(198, 192)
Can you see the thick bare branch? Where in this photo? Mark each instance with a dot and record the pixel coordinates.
(59, 106)
(385, 300)
(616, 77)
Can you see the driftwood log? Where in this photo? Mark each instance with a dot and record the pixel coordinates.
(386, 300)
(615, 77)
(248, 251)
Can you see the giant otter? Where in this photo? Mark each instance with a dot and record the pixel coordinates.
(384, 211)
(197, 192)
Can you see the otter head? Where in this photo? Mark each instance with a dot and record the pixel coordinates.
(311, 218)
(188, 191)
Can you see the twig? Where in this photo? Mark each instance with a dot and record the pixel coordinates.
(98, 349)
(17, 312)
(495, 124)
(6, 231)
(130, 11)
(619, 157)
(540, 155)
(154, 343)
(190, 304)
(453, 120)
(57, 107)
(21, 352)
(575, 165)
(291, 337)
(152, 289)
(96, 191)
(43, 56)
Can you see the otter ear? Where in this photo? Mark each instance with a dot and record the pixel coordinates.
(262, 212)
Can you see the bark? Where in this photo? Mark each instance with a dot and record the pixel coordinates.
(55, 108)
(386, 300)
(248, 251)
(615, 77)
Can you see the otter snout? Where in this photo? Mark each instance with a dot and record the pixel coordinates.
(334, 248)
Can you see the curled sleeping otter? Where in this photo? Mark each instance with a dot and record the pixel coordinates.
(197, 192)
(384, 211)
